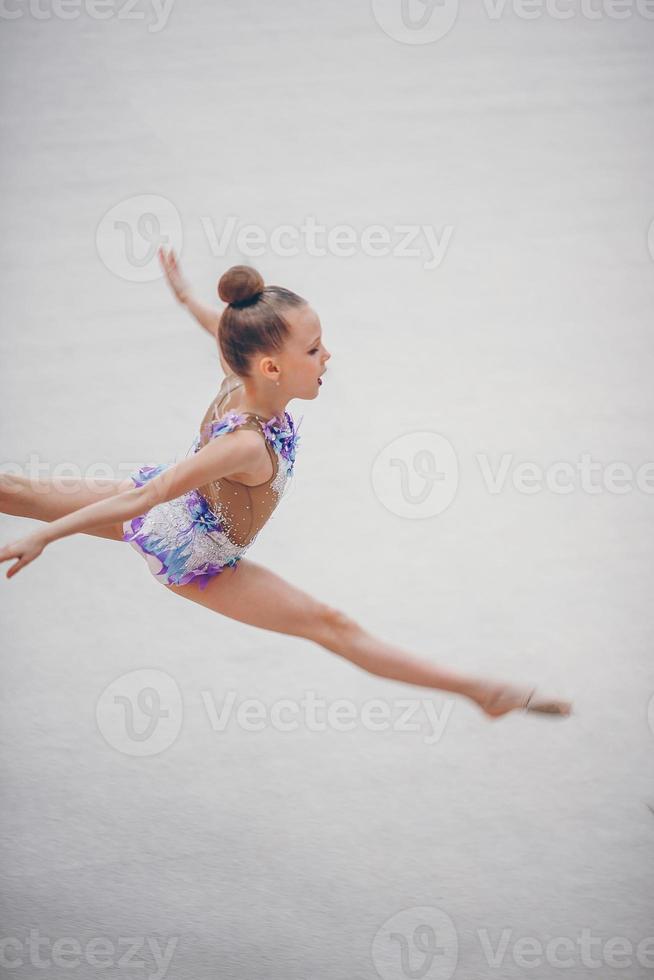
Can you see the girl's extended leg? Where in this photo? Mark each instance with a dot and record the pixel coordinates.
(256, 596)
(47, 500)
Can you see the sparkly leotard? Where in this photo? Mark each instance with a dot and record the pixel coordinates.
(194, 537)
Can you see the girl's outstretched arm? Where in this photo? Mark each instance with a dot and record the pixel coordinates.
(206, 316)
(232, 453)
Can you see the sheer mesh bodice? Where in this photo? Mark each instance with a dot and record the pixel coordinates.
(244, 509)
(194, 537)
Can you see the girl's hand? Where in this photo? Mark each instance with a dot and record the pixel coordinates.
(26, 550)
(173, 274)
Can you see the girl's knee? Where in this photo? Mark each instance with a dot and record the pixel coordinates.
(335, 627)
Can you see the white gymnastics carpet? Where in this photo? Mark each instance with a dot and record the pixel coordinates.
(465, 195)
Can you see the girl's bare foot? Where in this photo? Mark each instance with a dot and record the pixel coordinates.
(497, 699)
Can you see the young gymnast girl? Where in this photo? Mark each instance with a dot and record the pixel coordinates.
(194, 520)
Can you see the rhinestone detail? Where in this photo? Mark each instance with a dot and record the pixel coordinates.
(185, 540)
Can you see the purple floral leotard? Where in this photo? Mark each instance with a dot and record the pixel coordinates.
(194, 537)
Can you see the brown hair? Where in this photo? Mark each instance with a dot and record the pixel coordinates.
(253, 319)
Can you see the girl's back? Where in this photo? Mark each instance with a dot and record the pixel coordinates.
(195, 536)
(245, 508)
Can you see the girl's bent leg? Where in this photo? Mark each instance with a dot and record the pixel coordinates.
(48, 500)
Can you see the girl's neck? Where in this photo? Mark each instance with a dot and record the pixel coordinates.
(253, 401)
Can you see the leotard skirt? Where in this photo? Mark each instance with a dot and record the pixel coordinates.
(182, 540)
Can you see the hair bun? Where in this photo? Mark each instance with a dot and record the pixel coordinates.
(240, 284)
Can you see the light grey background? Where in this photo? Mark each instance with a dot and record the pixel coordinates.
(283, 854)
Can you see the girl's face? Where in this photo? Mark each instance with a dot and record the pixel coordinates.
(304, 357)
